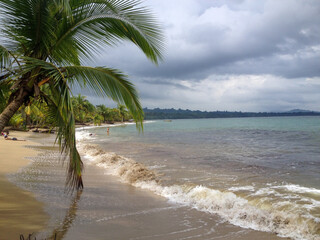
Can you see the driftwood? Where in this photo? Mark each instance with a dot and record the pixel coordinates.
(42, 130)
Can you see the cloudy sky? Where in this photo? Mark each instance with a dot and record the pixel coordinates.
(229, 55)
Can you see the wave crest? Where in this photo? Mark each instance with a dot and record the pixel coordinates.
(127, 169)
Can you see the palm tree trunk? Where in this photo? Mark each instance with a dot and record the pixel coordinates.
(12, 108)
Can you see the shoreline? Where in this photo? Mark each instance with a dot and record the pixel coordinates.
(20, 211)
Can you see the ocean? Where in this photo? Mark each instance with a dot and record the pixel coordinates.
(236, 178)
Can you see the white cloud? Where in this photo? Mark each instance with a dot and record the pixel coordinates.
(238, 92)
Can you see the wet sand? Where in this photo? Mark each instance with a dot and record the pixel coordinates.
(20, 212)
(110, 209)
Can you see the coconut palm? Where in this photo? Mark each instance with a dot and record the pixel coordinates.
(103, 111)
(43, 45)
(35, 111)
(122, 111)
(82, 108)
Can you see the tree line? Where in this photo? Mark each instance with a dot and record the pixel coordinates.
(157, 113)
(38, 114)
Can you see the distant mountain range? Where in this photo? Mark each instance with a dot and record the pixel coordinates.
(158, 113)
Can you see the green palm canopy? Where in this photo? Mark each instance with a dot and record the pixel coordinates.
(43, 45)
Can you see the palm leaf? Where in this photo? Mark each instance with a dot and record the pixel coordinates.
(110, 83)
(96, 24)
(29, 25)
(4, 94)
(5, 60)
(60, 109)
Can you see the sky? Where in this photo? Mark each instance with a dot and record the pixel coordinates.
(228, 55)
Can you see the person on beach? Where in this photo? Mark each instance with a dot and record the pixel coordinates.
(108, 131)
(6, 137)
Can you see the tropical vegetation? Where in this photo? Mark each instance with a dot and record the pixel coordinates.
(43, 46)
(37, 116)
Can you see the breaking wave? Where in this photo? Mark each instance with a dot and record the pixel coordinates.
(127, 169)
(256, 211)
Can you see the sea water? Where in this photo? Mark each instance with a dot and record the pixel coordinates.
(256, 173)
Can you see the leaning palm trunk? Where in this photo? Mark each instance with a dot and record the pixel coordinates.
(44, 44)
(12, 108)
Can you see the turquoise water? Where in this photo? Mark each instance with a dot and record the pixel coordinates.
(285, 144)
(259, 173)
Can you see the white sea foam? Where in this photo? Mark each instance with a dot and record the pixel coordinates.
(237, 210)
(283, 218)
(83, 135)
(157, 167)
(265, 191)
(298, 189)
(242, 188)
(127, 169)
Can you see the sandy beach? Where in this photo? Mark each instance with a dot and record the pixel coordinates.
(20, 212)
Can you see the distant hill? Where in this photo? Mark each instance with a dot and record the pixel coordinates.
(299, 111)
(172, 113)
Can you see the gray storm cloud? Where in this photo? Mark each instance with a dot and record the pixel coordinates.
(213, 48)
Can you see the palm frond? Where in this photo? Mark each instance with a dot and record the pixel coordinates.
(96, 24)
(29, 25)
(4, 94)
(110, 83)
(60, 109)
(5, 60)
(45, 70)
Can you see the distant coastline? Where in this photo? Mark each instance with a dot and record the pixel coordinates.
(158, 113)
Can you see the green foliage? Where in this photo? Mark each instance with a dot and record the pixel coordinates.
(86, 112)
(43, 44)
(4, 96)
(122, 111)
(83, 109)
(16, 121)
(97, 120)
(104, 112)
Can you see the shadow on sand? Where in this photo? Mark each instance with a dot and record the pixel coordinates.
(59, 232)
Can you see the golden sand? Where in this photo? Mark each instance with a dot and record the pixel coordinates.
(20, 212)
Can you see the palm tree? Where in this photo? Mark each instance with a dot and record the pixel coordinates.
(35, 111)
(82, 108)
(122, 111)
(103, 111)
(43, 45)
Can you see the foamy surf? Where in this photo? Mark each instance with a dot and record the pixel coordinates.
(257, 212)
(237, 210)
(299, 189)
